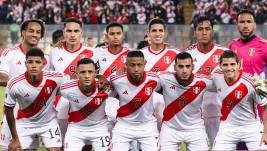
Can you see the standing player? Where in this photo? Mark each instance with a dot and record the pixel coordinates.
(12, 63)
(135, 120)
(206, 56)
(112, 58)
(65, 60)
(87, 117)
(238, 98)
(35, 92)
(183, 92)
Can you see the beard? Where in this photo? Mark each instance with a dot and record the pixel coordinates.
(246, 35)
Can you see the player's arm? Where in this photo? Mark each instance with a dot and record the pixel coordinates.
(3, 79)
(264, 136)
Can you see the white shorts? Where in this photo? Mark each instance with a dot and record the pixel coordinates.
(5, 136)
(229, 135)
(62, 107)
(49, 134)
(123, 135)
(171, 139)
(76, 138)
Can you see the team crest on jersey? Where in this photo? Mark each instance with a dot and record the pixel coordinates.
(167, 59)
(196, 90)
(238, 94)
(48, 90)
(251, 51)
(98, 101)
(216, 58)
(123, 58)
(148, 90)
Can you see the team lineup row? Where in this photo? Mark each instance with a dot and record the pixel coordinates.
(183, 94)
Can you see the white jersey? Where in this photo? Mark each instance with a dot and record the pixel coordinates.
(207, 63)
(160, 61)
(109, 63)
(183, 103)
(62, 60)
(35, 101)
(136, 104)
(238, 100)
(12, 61)
(86, 110)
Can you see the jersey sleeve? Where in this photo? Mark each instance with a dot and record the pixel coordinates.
(260, 100)
(112, 105)
(4, 68)
(50, 65)
(10, 100)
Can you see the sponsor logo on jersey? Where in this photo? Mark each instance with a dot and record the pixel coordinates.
(125, 92)
(148, 90)
(26, 95)
(172, 87)
(19, 63)
(238, 94)
(76, 101)
(251, 51)
(60, 59)
(104, 59)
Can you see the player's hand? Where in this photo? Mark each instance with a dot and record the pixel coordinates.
(14, 145)
(264, 139)
(260, 83)
(103, 84)
(59, 44)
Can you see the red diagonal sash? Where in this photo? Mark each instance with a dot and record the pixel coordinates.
(164, 62)
(71, 69)
(116, 64)
(141, 97)
(211, 63)
(39, 102)
(88, 109)
(183, 100)
(232, 99)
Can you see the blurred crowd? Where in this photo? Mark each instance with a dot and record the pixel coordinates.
(92, 11)
(225, 11)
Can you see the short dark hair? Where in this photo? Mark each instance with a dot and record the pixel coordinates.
(86, 61)
(135, 53)
(56, 36)
(156, 21)
(26, 23)
(246, 11)
(200, 19)
(229, 54)
(73, 20)
(114, 24)
(35, 52)
(182, 56)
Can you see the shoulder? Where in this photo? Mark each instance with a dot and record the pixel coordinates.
(191, 47)
(217, 46)
(13, 81)
(263, 41)
(115, 77)
(68, 85)
(248, 78)
(11, 50)
(53, 74)
(152, 74)
(172, 48)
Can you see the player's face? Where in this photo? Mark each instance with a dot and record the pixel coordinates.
(204, 32)
(34, 65)
(90, 42)
(135, 67)
(115, 36)
(86, 74)
(246, 25)
(72, 33)
(184, 68)
(156, 34)
(32, 34)
(230, 68)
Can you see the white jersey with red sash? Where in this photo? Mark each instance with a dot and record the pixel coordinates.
(86, 110)
(136, 104)
(109, 63)
(65, 61)
(207, 63)
(183, 103)
(35, 101)
(238, 100)
(160, 61)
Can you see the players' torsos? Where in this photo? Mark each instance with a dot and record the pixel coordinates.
(35, 101)
(86, 110)
(136, 104)
(238, 100)
(109, 63)
(161, 61)
(183, 103)
(252, 55)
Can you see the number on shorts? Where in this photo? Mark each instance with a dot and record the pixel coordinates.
(107, 140)
(56, 133)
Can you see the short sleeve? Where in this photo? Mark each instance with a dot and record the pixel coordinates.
(10, 99)
(4, 67)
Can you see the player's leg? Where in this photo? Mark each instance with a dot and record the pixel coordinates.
(28, 138)
(197, 140)
(5, 136)
(252, 137)
(148, 138)
(121, 139)
(51, 135)
(74, 139)
(169, 139)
